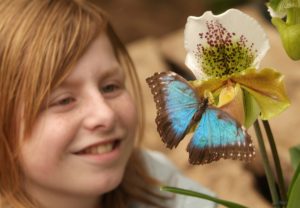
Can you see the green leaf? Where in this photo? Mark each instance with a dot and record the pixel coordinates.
(202, 196)
(295, 156)
(294, 191)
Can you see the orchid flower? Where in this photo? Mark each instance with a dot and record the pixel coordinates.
(289, 29)
(224, 52)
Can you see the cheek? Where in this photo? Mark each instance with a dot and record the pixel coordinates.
(42, 149)
(126, 110)
(127, 113)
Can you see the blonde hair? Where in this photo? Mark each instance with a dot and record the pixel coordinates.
(40, 41)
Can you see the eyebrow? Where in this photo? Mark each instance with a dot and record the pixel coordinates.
(104, 74)
(113, 70)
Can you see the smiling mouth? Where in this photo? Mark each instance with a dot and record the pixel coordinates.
(100, 148)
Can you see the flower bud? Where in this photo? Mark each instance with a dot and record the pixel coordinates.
(290, 37)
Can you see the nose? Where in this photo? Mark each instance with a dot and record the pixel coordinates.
(99, 114)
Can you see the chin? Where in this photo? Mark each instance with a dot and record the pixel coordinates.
(104, 184)
(113, 183)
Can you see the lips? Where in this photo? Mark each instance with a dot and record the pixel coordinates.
(100, 148)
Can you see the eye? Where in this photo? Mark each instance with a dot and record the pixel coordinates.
(64, 101)
(110, 88)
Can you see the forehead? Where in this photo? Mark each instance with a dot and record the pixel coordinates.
(99, 51)
(99, 57)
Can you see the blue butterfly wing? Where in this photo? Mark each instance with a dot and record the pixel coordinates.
(218, 136)
(176, 104)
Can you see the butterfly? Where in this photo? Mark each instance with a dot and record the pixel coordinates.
(179, 109)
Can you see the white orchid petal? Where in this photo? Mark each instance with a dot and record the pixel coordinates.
(234, 22)
(194, 66)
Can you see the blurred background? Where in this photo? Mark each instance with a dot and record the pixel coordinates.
(153, 33)
(134, 19)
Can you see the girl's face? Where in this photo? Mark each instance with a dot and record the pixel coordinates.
(80, 144)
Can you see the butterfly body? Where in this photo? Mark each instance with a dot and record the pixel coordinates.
(179, 109)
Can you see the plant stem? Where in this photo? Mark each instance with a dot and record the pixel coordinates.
(279, 174)
(266, 164)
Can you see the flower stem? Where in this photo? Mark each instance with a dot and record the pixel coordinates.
(279, 174)
(266, 164)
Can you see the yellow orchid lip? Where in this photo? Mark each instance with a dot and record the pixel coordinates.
(227, 94)
(231, 101)
(263, 93)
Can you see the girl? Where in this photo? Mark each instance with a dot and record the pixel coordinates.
(68, 122)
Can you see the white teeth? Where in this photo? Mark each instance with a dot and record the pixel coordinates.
(104, 148)
(100, 149)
